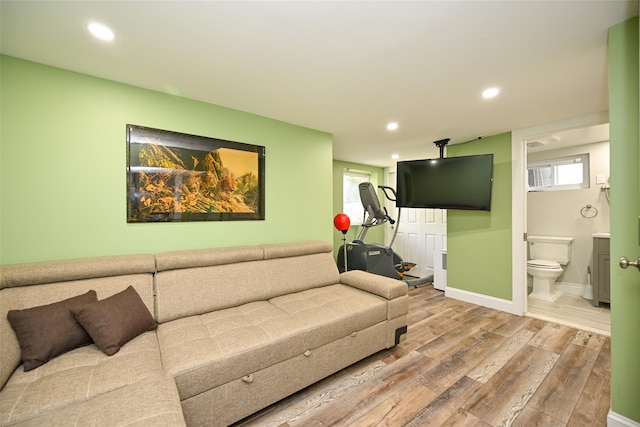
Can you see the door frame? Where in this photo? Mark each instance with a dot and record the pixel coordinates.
(519, 197)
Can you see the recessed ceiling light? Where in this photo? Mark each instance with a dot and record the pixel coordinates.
(395, 156)
(490, 93)
(392, 126)
(100, 31)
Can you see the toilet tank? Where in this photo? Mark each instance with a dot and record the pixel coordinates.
(551, 248)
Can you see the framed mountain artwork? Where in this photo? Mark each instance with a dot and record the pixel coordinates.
(177, 177)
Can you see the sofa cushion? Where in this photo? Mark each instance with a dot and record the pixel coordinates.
(77, 376)
(199, 290)
(202, 352)
(288, 250)
(67, 270)
(151, 402)
(195, 282)
(114, 321)
(177, 260)
(205, 351)
(47, 331)
(332, 312)
(295, 274)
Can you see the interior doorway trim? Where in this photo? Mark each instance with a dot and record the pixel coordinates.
(519, 197)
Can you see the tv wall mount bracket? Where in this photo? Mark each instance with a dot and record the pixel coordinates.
(441, 144)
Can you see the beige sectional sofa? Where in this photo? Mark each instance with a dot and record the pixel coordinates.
(237, 330)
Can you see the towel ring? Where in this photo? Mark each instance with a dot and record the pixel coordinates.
(589, 211)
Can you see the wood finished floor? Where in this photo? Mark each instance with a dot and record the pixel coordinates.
(462, 365)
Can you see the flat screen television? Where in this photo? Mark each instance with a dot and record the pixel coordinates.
(447, 183)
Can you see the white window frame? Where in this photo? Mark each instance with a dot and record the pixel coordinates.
(548, 176)
(351, 203)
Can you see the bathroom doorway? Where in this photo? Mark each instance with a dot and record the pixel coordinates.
(558, 201)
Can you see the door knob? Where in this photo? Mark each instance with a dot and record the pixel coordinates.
(625, 263)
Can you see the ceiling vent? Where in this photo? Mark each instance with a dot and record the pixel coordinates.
(542, 141)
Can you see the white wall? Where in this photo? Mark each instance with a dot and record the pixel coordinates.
(557, 213)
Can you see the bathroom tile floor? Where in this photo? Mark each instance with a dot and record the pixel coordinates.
(573, 311)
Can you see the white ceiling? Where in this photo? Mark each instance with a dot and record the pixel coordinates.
(569, 138)
(346, 68)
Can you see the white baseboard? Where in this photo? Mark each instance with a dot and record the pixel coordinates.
(570, 288)
(617, 420)
(483, 300)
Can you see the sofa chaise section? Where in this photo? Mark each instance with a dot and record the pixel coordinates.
(83, 386)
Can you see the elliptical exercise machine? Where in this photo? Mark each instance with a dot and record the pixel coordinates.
(374, 257)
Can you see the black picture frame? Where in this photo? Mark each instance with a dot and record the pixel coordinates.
(178, 177)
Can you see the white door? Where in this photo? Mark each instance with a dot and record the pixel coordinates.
(422, 234)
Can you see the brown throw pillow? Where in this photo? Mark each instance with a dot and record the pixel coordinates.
(47, 331)
(114, 321)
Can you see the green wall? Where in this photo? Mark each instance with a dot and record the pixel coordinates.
(624, 111)
(375, 234)
(478, 242)
(63, 176)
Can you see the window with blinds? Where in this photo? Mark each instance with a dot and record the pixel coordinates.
(351, 203)
(566, 173)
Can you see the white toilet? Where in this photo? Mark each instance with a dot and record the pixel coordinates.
(547, 255)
